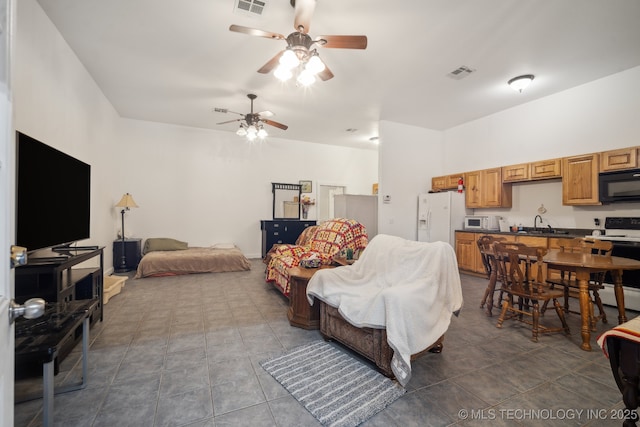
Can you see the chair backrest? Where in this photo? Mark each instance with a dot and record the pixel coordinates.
(596, 246)
(485, 245)
(338, 233)
(586, 245)
(517, 263)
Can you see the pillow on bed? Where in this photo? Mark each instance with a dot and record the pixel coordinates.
(163, 244)
(223, 246)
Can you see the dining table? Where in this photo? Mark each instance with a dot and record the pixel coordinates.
(583, 265)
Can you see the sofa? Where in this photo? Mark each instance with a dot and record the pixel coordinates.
(324, 241)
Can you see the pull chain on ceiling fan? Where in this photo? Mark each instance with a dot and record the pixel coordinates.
(251, 125)
(301, 55)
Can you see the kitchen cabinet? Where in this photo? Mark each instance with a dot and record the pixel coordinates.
(580, 180)
(447, 182)
(439, 183)
(515, 173)
(485, 189)
(467, 252)
(616, 160)
(546, 169)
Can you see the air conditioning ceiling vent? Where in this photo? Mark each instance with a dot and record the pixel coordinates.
(250, 7)
(461, 72)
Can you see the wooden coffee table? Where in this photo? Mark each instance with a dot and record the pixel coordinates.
(301, 314)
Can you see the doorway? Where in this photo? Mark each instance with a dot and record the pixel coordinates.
(325, 200)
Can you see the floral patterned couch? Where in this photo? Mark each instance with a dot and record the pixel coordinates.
(325, 240)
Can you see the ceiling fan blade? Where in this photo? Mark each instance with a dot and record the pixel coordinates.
(266, 113)
(304, 11)
(256, 32)
(325, 74)
(224, 110)
(271, 64)
(342, 42)
(229, 121)
(276, 124)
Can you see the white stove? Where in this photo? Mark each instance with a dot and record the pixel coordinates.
(617, 237)
(624, 233)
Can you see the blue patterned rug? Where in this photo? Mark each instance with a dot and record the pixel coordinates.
(338, 390)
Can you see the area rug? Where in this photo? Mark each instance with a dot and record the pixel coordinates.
(336, 388)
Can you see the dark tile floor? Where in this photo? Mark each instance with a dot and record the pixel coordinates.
(184, 351)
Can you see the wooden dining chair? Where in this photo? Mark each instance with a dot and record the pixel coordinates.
(485, 245)
(570, 285)
(523, 283)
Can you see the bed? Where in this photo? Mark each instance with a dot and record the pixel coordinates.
(168, 257)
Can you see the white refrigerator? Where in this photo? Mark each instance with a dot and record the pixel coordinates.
(440, 215)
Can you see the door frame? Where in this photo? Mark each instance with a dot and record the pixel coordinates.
(7, 230)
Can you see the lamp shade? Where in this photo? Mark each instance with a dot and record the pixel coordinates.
(127, 202)
(521, 82)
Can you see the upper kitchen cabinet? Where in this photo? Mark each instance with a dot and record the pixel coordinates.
(580, 180)
(626, 158)
(485, 189)
(546, 169)
(543, 169)
(516, 173)
(447, 182)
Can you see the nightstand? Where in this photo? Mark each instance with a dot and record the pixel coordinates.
(132, 255)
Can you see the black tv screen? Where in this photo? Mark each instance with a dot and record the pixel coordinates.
(52, 196)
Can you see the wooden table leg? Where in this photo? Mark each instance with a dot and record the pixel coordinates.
(619, 292)
(582, 277)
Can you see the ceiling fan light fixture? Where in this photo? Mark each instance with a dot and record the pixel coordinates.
(241, 131)
(283, 74)
(262, 133)
(315, 64)
(306, 78)
(289, 59)
(521, 82)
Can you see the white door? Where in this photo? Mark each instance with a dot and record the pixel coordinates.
(6, 229)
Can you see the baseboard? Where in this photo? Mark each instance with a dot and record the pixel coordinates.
(631, 297)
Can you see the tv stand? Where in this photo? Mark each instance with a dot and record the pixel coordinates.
(58, 278)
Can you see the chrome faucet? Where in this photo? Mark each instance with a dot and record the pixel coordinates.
(535, 221)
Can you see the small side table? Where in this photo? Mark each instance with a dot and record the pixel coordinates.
(301, 314)
(132, 254)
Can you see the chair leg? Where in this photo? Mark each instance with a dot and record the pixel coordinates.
(535, 313)
(592, 316)
(596, 297)
(503, 312)
(566, 299)
(560, 312)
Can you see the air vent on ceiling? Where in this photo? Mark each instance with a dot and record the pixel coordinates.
(250, 7)
(461, 72)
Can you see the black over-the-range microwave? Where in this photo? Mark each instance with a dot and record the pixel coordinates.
(622, 186)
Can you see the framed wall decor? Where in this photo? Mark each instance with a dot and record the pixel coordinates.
(305, 186)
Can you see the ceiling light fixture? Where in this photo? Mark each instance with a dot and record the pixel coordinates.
(521, 82)
(300, 60)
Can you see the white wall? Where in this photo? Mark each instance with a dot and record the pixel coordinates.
(409, 157)
(598, 116)
(206, 186)
(57, 102)
(201, 186)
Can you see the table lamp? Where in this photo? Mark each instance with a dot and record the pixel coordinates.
(125, 203)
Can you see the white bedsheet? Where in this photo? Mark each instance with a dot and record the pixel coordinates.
(410, 288)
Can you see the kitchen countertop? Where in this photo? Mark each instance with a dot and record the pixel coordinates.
(540, 232)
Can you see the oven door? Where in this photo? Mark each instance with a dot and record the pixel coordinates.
(630, 278)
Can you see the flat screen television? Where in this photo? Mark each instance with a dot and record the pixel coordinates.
(53, 196)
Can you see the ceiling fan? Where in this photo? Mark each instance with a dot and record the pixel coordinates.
(251, 123)
(301, 52)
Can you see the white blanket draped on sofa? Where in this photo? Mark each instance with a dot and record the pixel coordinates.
(410, 288)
